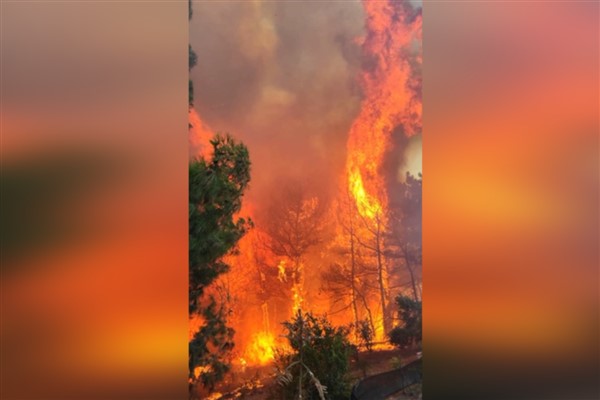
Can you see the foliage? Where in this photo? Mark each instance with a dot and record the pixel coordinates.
(411, 207)
(404, 234)
(410, 332)
(190, 93)
(211, 344)
(192, 60)
(216, 187)
(318, 363)
(365, 334)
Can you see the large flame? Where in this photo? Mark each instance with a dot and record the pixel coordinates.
(388, 100)
(367, 205)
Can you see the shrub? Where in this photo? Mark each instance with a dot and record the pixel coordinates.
(318, 363)
(365, 334)
(410, 333)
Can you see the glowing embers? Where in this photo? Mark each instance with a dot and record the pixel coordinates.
(202, 370)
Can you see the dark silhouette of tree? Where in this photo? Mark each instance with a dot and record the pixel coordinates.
(294, 223)
(411, 331)
(405, 233)
(193, 59)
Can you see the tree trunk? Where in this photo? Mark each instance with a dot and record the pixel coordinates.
(381, 279)
(353, 281)
(368, 310)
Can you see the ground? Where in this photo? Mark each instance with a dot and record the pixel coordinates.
(254, 382)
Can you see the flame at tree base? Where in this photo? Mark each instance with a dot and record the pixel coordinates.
(261, 349)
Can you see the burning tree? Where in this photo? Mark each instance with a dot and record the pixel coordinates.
(372, 240)
(255, 267)
(294, 224)
(216, 187)
(347, 278)
(390, 101)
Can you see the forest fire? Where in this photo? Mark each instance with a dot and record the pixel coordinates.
(346, 255)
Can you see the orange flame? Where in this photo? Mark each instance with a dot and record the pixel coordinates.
(387, 104)
(367, 205)
(261, 349)
(200, 135)
(297, 297)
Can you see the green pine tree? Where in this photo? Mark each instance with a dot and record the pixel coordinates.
(216, 187)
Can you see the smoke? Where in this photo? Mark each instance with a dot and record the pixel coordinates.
(281, 77)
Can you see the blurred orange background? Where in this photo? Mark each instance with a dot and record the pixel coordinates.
(94, 154)
(510, 209)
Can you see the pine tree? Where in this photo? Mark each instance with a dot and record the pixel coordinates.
(216, 187)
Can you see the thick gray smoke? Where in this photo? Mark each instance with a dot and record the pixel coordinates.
(281, 77)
